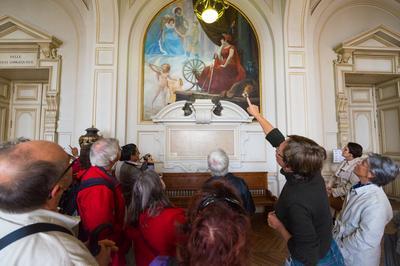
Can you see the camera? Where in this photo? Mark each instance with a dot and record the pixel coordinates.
(147, 156)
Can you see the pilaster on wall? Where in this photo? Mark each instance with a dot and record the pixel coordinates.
(295, 49)
(105, 66)
(342, 102)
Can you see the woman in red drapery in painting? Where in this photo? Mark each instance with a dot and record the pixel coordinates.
(225, 71)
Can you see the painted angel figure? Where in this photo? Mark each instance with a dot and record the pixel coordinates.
(166, 84)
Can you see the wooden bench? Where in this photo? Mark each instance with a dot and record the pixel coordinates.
(180, 187)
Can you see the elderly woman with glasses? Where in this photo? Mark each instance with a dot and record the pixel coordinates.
(302, 215)
(366, 211)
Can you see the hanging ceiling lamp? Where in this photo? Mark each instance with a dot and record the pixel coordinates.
(210, 10)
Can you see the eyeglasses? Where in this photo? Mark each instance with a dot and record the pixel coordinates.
(278, 154)
(72, 161)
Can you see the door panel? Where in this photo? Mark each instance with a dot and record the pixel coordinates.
(27, 93)
(26, 122)
(26, 110)
(5, 91)
(390, 130)
(3, 122)
(362, 117)
(388, 109)
(363, 127)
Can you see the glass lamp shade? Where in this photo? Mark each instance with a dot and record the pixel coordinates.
(210, 10)
(209, 15)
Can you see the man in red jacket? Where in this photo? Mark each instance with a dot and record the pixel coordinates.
(101, 205)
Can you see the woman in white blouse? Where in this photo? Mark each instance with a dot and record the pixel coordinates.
(344, 177)
(359, 227)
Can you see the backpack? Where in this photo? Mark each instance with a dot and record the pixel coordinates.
(68, 204)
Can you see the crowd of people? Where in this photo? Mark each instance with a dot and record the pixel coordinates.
(121, 214)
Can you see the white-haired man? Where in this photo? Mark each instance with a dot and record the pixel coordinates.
(101, 205)
(218, 163)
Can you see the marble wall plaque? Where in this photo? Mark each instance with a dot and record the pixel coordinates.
(8, 60)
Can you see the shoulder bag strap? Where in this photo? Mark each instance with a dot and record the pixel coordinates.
(97, 181)
(30, 230)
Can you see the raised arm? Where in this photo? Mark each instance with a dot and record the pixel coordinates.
(154, 68)
(272, 135)
(264, 123)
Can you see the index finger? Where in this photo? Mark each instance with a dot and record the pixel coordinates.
(248, 101)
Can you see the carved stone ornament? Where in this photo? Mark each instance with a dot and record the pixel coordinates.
(49, 52)
(343, 57)
(342, 103)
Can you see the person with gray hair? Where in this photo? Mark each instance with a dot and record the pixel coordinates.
(218, 164)
(366, 211)
(105, 153)
(101, 204)
(33, 176)
(153, 221)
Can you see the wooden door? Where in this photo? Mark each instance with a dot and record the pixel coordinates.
(362, 117)
(388, 113)
(26, 110)
(5, 92)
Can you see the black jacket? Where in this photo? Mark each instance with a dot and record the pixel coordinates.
(303, 208)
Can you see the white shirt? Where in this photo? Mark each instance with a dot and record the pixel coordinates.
(360, 226)
(345, 178)
(49, 248)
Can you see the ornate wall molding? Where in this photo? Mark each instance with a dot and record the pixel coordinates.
(105, 66)
(365, 49)
(17, 38)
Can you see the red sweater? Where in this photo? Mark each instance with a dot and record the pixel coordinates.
(99, 205)
(160, 232)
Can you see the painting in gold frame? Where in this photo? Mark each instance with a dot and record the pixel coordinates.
(186, 59)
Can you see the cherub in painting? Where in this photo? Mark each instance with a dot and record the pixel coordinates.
(166, 84)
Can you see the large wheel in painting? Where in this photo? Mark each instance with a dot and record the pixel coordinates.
(191, 70)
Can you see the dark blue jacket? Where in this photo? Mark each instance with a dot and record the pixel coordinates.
(242, 190)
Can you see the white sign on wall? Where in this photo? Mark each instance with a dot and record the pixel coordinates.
(337, 156)
(8, 60)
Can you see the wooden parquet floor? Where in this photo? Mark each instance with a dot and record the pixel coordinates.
(267, 247)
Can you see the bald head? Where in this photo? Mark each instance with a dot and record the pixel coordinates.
(14, 157)
(44, 150)
(28, 171)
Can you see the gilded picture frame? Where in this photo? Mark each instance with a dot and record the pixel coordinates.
(186, 59)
